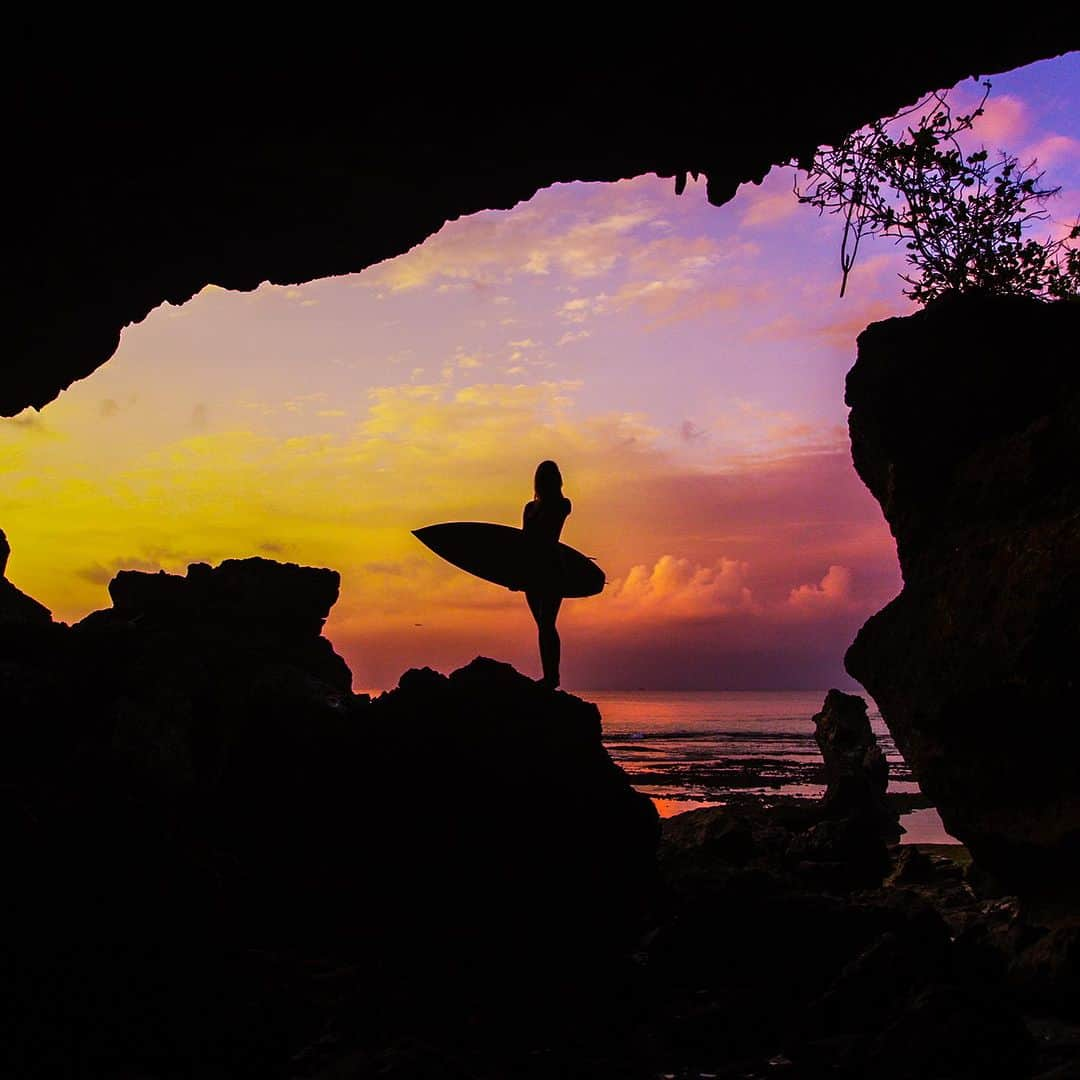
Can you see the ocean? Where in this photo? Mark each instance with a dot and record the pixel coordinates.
(691, 748)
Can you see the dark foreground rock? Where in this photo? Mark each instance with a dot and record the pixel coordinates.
(16, 608)
(965, 425)
(856, 772)
(219, 861)
(764, 962)
(194, 803)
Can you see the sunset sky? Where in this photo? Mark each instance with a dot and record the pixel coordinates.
(683, 363)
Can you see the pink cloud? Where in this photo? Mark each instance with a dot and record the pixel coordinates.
(1052, 150)
(1005, 119)
(831, 593)
(841, 332)
(679, 588)
(770, 207)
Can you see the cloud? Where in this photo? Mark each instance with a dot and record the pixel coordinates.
(689, 432)
(494, 247)
(769, 207)
(573, 335)
(840, 330)
(28, 422)
(581, 308)
(678, 587)
(295, 294)
(1052, 150)
(832, 593)
(676, 279)
(577, 233)
(1004, 120)
(103, 573)
(666, 300)
(719, 545)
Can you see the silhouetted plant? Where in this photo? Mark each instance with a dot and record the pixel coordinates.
(962, 218)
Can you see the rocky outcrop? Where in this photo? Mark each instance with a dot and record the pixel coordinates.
(232, 621)
(226, 777)
(19, 609)
(838, 842)
(857, 774)
(190, 773)
(965, 425)
(366, 152)
(16, 608)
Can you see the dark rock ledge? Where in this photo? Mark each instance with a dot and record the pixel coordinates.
(219, 861)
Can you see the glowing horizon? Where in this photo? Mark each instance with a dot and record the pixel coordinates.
(683, 363)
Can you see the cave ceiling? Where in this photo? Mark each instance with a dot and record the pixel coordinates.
(145, 164)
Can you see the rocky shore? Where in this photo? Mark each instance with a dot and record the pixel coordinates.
(222, 862)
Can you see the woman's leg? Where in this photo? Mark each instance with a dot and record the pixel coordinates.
(545, 609)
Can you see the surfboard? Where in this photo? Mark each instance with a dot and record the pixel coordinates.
(502, 555)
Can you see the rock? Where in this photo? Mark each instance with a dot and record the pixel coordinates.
(949, 1031)
(899, 1009)
(871, 988)
(16, 608)
(839, 842)
(847, 847)
(223, 624)
(308, 200)
(257, 592)
(856, 771)
(972, 457)
(842, 853)
(533, 824)
(475, 812)
(1047, 972)
(189, 773)
(912, 868)
(710, 834)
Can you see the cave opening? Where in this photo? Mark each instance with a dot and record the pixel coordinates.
(685, 362)
(484, 899)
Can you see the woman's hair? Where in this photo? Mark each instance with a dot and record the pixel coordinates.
(547, 484)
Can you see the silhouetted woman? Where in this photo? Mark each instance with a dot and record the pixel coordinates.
(542, 522)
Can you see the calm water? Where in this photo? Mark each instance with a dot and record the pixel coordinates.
(692, 748)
